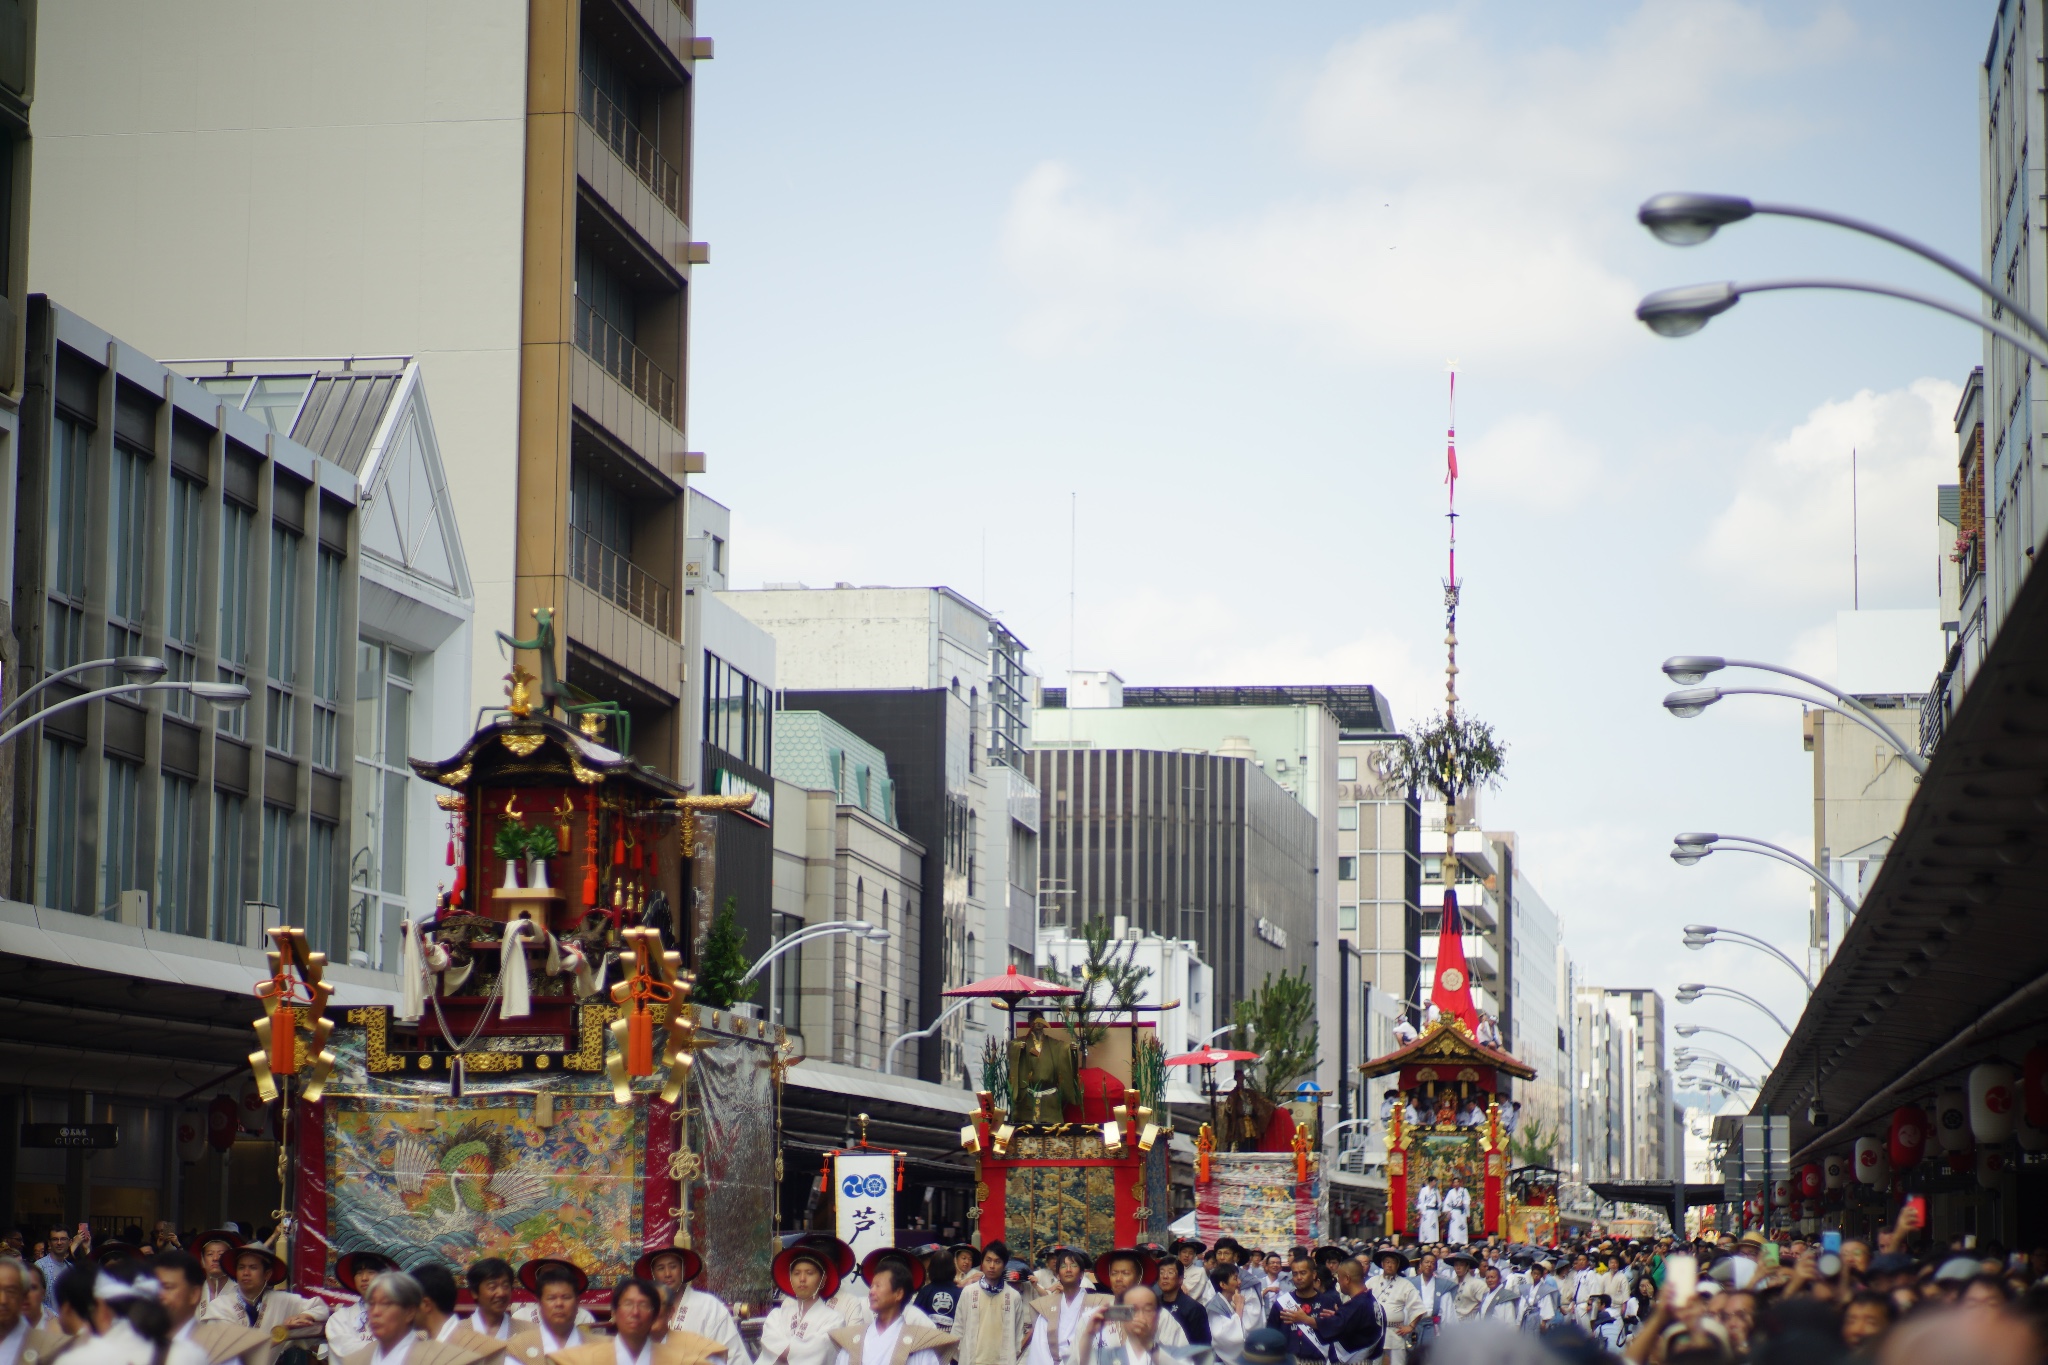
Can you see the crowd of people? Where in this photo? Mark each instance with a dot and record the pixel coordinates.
(216, 1297)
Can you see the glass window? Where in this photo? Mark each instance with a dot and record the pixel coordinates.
(230, 388)
(120, 829)
(276, 399)
(181, 618)
(324, 921)
(225, 922)
(65, 547)
(276, 885)
(377, 839)
(237, 542)
(736, 714)
(281, 718)
(57, 883)
(127, 552)
(1347, 816)
(327, 588)
(1347, 917)
(1347, 869)
(1347, 770)
(175, 898)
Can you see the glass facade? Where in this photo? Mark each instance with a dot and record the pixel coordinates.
(384, 683)
(736, 713)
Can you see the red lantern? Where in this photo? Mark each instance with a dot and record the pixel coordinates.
(1908, 1140)
(1809, 1180)
(223, 1121)
(2034, 1085)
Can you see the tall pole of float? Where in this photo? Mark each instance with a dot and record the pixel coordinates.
(1450, 861)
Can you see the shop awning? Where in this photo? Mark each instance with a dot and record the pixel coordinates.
(1947, 963)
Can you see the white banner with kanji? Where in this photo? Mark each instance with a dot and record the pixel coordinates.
(864, 1190)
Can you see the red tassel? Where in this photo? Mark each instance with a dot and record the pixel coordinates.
(590, 884)
(638, 861)
(461, 885)
(451, 850)
(639, 1043)
(618, 849)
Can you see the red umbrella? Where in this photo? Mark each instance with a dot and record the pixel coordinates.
(1010, 987)
(1212, 1056)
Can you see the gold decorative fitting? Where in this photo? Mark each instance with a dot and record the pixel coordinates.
(589, 777)
(523, 745)
(450, 801)
(591, 723)
(454, 777)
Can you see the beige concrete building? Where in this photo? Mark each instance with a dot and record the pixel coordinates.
(499, 188)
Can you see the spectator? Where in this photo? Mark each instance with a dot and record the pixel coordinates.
(62, 1255)
(1985, 1291)
(1867, 1318)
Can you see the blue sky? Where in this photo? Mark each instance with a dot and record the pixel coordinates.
(1203, 266)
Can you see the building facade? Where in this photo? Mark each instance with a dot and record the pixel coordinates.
(1290, 735)
(1537, 1027)
(937, 685)
(155, 837)
(501, 191)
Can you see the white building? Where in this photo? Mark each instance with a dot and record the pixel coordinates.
(939, 686)
(1175, 975)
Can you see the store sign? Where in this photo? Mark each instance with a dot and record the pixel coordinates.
(1271, 932)
(94, 1136)
(729, 783)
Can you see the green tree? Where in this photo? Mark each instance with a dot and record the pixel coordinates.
(725, 962)
(1109, 978)
(1278, 1021)
(1449, 755)
(1533, 1144)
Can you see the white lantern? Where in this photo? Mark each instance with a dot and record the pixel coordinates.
(191, 1126)
(1834, 1172)
(1994, 1095)
(1873, 1166)
(1990, 1166)
(1781, 1194)
(1952, 1119)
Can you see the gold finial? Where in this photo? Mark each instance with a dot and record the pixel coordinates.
(591, 723)
(519, 692)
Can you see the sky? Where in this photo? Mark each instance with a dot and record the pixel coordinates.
(1132, 323)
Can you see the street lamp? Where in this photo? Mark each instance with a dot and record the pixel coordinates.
(1688, 669)
(1687, 219)
(1688, 702)
(889, 1058)
(1688, 848)
(1722, 1066)
(1693, 990)
(137, 668)
(874, 933)
(1688, 1030)
(224, 695)
(1686, 309)
(1698, 936)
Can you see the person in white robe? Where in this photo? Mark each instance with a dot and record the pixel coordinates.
(1428, 1200)
(1457, 1215)
(1057, 1316)
(672, 1269)
(797, 1331)
(992, 1318)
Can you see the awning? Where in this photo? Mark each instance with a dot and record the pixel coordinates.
(1947, 963)
(1656, 1193)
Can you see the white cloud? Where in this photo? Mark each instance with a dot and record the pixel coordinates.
(1786, 536)
(1481, 186)
(1532, 459)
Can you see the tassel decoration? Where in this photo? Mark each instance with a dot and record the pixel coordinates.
(619, 847)
(590, 883)
(640, 1043)
(461, 885)
(638, 861)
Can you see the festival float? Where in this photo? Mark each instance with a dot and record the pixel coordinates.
(1069, 1142)
(547, 1088)
(1447, 1144)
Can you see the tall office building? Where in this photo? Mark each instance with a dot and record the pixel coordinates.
(498, 188)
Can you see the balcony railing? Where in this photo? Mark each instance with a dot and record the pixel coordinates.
(625, 362)
(617, 579)
(634, 147)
